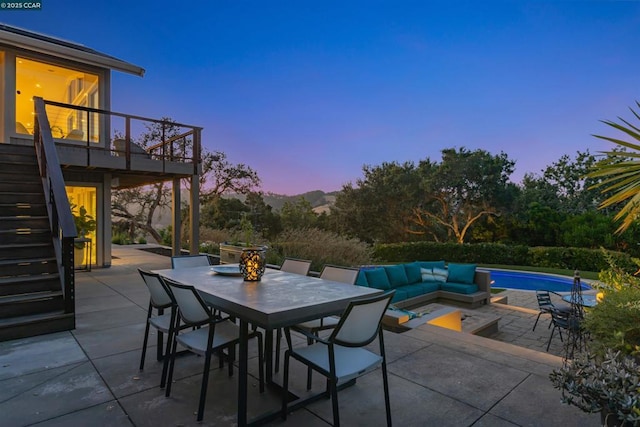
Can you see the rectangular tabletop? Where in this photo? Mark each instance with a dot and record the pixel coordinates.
(279, 299)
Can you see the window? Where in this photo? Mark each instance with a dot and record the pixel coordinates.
(55, 83)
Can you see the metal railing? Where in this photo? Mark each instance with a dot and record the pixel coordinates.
(173, 142)
(63, 229)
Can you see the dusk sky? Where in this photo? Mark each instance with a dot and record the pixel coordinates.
(307, 92)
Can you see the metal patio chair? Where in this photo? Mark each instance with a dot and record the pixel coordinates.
(545, 305)
(342, 357)
(212, 334)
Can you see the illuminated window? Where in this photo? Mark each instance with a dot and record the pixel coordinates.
(55, 83)
(85, 197)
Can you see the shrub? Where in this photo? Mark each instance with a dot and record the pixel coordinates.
(320, 246)
(121, 239)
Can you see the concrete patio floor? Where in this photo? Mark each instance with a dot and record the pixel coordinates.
(437, 377)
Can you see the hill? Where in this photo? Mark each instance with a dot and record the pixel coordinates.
(319, 200)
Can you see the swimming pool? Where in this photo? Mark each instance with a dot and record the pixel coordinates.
(527, 281)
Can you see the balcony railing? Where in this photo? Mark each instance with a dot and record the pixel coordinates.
(124, 135)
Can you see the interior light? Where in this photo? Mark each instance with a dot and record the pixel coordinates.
(38, 85)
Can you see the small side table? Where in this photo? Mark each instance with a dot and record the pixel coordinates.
(87, 253)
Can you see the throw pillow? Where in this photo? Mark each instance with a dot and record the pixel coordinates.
(413, 272)
(397, 275)
(440, 274)
(427, 275)
(377, 278)
(461, 273)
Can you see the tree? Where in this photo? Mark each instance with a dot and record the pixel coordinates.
(378, 207)
(135, 209)
(464, 188)
(620, 173)
(298, 214)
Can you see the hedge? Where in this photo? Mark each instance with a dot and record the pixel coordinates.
(496, 253)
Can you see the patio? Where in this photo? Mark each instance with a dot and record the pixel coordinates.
(437, 377)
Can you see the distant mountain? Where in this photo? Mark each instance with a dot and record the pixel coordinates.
(319, 200)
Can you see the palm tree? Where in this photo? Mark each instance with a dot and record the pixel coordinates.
(620, 173)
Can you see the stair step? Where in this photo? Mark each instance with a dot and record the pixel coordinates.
(26, 250)
(17, 209)
(22, 267)
(28, 284)
(31, 303)
(22, 197)
(37, 324)
(20, 237)
(24, 150)
(24, 223)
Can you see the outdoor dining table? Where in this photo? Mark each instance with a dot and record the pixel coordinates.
(588, 300)
(279, 300)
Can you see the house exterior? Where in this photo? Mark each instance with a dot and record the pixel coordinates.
(94, 145)
(63, 150)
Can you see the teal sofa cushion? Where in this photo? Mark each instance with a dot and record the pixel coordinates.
(461, 273)
(413, 272)
(429, 287)
(397, 275)
(413, 290)
(377, 278)
(431, 264)
(459, 288)
(361, 280)
(400, 295)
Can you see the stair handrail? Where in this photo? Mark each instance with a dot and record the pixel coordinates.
(63, 229)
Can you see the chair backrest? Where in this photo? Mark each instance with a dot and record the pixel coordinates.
(360, 322)
(193, 310)
(188, 261)
(297, 266)
(160, 297)
(339, 274)
(544, 299)
(565, 319)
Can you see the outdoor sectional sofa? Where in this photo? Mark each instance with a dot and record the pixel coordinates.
(421, 282)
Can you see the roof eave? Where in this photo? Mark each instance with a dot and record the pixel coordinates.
(71, 54)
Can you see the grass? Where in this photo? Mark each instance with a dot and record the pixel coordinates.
(591, 275)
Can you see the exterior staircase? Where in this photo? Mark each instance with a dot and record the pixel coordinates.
(31, 297)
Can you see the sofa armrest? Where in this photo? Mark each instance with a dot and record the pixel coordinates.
(483, 280)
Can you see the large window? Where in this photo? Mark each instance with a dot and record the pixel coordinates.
(56, 83)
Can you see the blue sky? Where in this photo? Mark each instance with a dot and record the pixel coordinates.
(307, 92)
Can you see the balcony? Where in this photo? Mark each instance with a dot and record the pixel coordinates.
(109, 142)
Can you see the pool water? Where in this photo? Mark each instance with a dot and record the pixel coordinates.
(531, 281)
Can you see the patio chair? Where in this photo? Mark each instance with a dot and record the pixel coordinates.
(342, 357)
(545, 305)
(562, 320)
(159, 300)
(296, 266)
(188, 261)
(212, 334)
(337, 274)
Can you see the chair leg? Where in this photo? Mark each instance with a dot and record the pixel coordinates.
(334, 403)
(144, 345)
(174, 346)
(537, 318)
(551, 337)
(205, 382)
(385, 384)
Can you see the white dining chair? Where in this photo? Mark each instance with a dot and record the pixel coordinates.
(188, 261)
(342, 356)
(211, 334)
